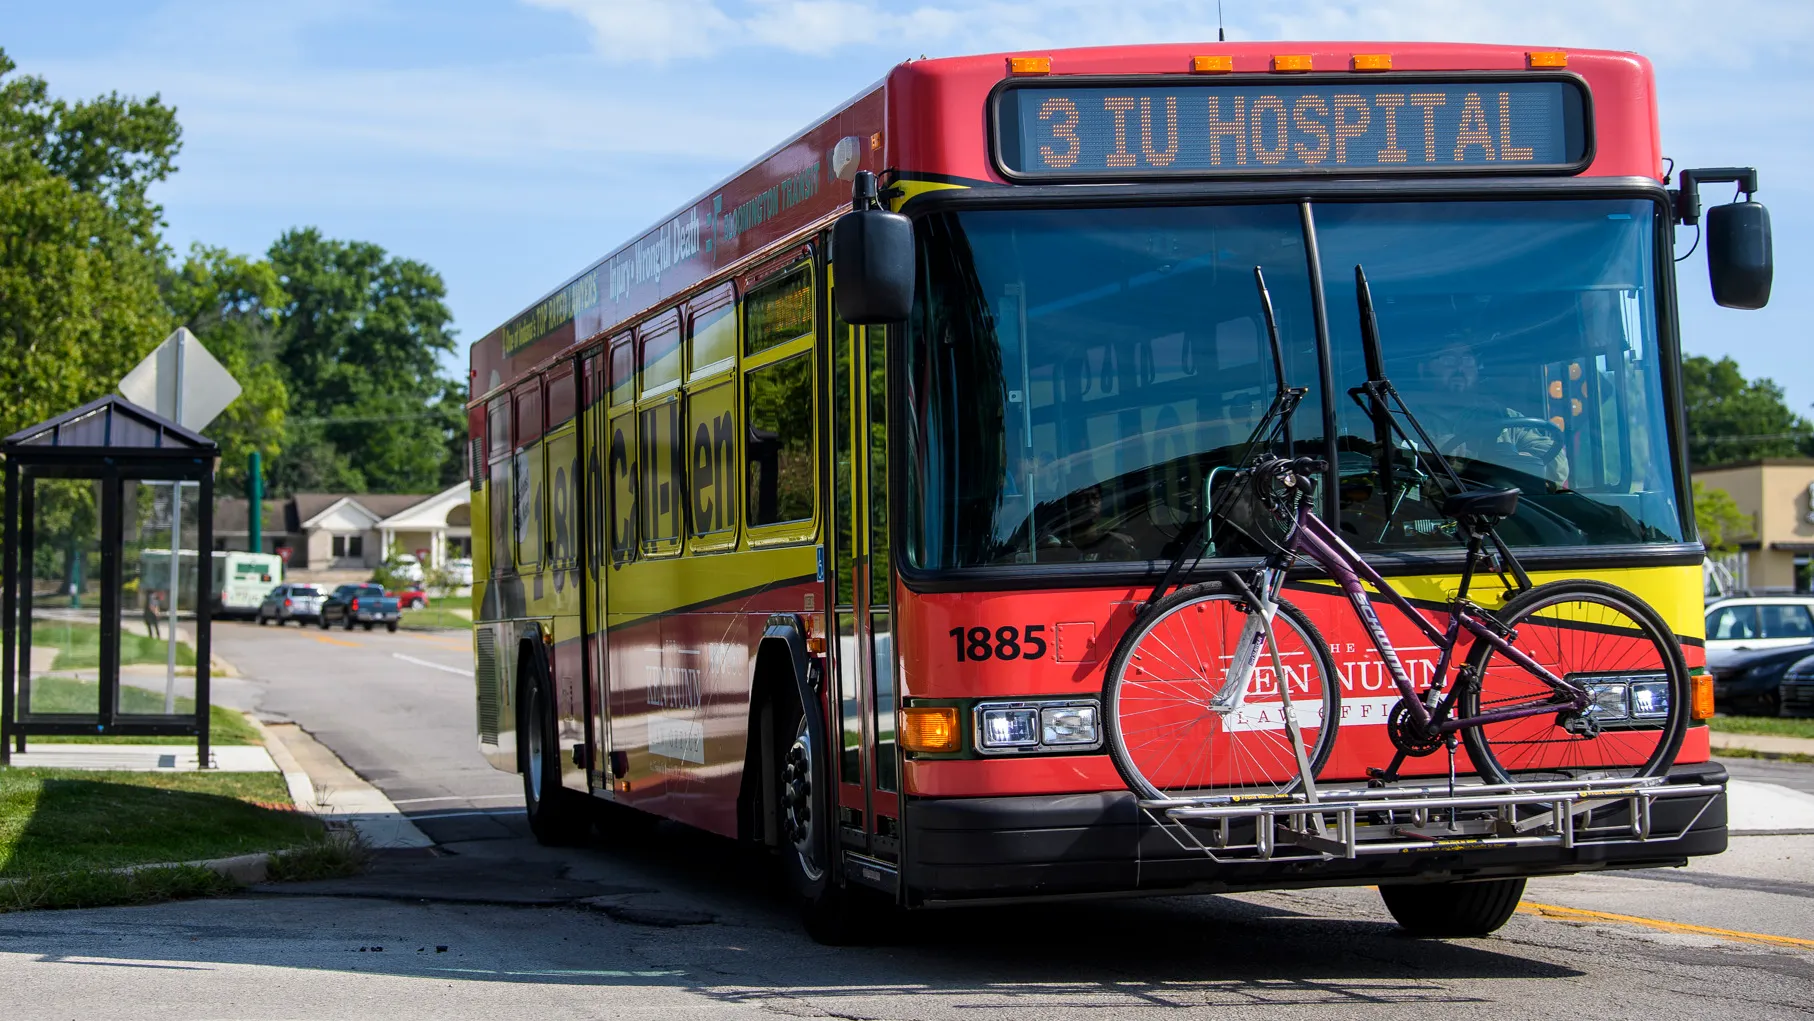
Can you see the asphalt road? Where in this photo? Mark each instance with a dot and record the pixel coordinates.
(659, 921)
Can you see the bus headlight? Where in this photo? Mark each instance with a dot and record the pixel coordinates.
(1068, 725)
(1009, 728)
(1041, 725)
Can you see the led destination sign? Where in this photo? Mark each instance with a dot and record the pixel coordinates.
(1107, 130)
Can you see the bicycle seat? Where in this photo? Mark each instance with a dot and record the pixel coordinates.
(1482, 505)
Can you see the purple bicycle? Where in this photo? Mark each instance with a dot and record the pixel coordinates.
(1226, 685)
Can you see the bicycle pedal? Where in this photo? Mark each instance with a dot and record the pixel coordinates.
(1377, 777)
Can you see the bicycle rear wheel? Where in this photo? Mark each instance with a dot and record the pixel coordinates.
(1167, 740)
(1597, 635)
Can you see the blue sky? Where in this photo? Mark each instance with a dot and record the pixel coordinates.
(508, 144)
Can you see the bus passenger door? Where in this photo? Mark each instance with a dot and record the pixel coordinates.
(595, 525)
(860, 624)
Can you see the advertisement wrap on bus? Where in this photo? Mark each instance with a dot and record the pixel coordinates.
(978, 579)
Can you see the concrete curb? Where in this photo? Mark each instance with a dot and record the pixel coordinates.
(242, 869)
(327, 788)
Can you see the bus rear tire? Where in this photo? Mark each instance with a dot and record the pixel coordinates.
(557, 816)
(1453, 910)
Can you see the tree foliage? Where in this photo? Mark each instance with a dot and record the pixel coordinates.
(1719, 521)
(361, 336)
(80, 253)
(232, 305)
(1731, 418)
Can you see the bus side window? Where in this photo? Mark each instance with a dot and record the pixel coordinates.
(711, 421)
(662, 500)
(561, 533)
(778, 401)
(526, 472)
(499, 502)
(620, 450)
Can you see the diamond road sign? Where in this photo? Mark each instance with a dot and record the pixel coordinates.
(181, 375)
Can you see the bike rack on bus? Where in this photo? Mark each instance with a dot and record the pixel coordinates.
(1348, 823)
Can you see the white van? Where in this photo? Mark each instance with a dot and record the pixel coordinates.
(1758, 622)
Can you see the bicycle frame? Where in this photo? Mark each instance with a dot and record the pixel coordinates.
(1311, 537)
(1315, 539)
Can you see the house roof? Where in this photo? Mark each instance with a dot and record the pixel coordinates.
(430, 511)
(295, 514)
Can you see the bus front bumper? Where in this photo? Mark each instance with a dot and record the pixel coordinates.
(1012, 848)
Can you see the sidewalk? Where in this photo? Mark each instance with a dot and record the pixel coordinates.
(144, 758)
(323, 785)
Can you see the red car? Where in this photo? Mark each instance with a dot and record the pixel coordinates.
(410, 599)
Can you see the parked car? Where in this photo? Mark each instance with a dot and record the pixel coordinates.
(1795, 697)
(1752, 681)
(365, 605)
(411, 598)
(461, 569)
(290, 602)
(408, 568)
(1747, 623)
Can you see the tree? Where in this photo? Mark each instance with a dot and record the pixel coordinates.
(1732, 419)
(80, 253)
(1718, 519)
(361, 339)
(232, 303)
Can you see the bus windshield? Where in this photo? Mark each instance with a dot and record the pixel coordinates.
(1077, 375)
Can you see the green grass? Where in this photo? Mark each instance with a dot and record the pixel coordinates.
(61, 821)
(74, 695)
(1774, 726)
(1749, 753)
(335, 855)
(431, 617)
(78, 645)
(89, 888)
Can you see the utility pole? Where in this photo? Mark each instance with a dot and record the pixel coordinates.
(255, 502)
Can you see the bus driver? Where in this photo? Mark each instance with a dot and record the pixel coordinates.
(1465, 421)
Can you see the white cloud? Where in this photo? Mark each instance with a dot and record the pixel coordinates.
(655, 31)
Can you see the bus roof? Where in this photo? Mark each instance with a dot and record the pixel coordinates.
(805, 179)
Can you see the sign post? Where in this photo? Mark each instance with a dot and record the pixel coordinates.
(181, 381)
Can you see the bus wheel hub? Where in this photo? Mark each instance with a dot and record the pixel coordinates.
(797, 794)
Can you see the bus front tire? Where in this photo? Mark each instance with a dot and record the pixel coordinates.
(1453, 910)
(557, 816)
(803, 821)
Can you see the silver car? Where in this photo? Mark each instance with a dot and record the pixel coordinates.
(291, 602)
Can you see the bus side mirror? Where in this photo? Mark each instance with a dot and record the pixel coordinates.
(1739, 259)
(872, 252)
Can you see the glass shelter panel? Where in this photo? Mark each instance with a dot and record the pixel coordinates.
(64, 571)
(157, 611)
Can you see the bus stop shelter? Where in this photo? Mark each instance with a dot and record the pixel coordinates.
(108, 533)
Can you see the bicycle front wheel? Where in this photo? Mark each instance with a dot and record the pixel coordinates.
(1600, 637)
(1165, 735)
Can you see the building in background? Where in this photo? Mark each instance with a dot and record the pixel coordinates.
(1776, 493)
(349, 532)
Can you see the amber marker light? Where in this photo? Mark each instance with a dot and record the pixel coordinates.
(930, 728)
(1029, 65)
(1291, 62)
(1547, 58)
(1372, 62)
(1700, 696)
(1212, 64)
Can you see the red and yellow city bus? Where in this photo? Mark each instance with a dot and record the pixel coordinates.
(742, 565)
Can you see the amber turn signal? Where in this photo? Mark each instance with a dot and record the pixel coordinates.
(927, 728)
(1700, 696)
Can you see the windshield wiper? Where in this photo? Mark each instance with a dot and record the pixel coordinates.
(1274, 426)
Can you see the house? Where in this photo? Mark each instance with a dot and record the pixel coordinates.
(350, 532)
(1778, 495)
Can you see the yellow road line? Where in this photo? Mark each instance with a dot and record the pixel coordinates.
(1579, 915)
(337, 641)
